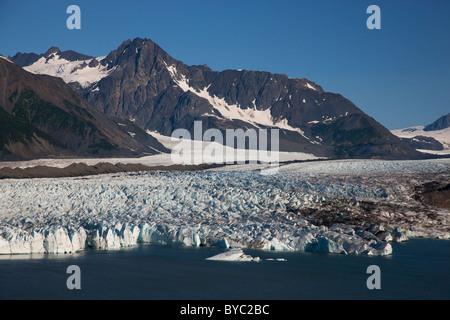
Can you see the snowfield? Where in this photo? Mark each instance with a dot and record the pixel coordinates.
(443, 136)
(347, 207)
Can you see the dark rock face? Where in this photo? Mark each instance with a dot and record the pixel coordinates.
(93, 63)
(42, 117)
(26, 59)
(433, 193)
(441, 123)
(164, 94)
(422, 142)
(159, 93)
(73, 56)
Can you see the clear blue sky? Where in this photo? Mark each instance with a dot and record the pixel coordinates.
(400, 75)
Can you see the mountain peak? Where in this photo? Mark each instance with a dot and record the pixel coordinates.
(139, 80)
(131, 50)
(441, 123)
(40, 116)
(51, 50)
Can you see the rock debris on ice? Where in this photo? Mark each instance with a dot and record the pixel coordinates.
(290, 210)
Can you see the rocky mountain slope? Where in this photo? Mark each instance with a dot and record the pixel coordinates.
(141, 82)
(41, 116)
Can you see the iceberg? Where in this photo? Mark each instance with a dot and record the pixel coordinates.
(235, 254)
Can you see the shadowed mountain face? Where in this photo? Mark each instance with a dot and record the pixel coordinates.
(41, 116)
(143, 83)
(432, 137)
(164, 94)
(26, 59)
(440, 124)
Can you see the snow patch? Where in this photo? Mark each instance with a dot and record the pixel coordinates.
(308, 85)
(232, 111)
(237, 209)
(70, 71)
(443, 136)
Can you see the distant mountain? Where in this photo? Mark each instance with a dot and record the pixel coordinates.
(440, 124)
(139, 81)
(26, 59)
(40, 116)
(432, 137)
(79, 69)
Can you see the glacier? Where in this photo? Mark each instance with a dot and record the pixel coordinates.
(71, 71)
(229, 207)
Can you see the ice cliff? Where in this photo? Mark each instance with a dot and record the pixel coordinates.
(228, 209)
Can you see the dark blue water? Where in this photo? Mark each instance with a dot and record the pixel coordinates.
(419, 269)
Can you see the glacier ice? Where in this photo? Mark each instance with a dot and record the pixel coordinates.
(222, 207)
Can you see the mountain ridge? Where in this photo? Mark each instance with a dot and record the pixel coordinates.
(442, 123)
(143, 83)
(430, 138)
(42, 117)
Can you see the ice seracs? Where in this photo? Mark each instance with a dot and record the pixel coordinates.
(225, 208)
(442, 136)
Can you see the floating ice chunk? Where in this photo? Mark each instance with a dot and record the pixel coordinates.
(324, 244)
(235, 254)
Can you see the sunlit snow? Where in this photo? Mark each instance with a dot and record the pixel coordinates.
(70, 71)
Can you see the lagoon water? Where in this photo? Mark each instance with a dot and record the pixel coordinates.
(418, 269)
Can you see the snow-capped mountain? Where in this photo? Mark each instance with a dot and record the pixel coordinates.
(440, 124)
(41, 116)
(433, 138)
(69, 65)
(141, 82)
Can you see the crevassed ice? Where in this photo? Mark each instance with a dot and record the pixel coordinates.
(217, 208)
